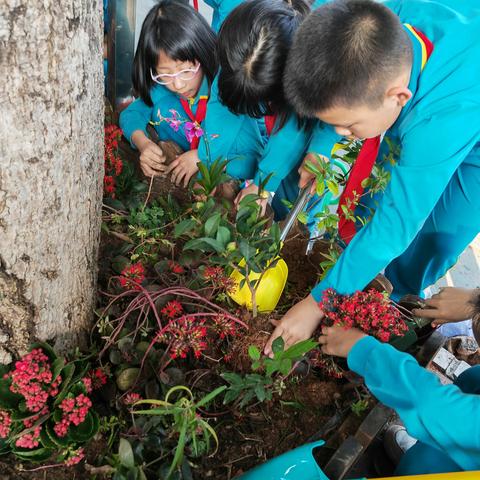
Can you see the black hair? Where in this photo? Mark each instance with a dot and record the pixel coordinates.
(253, 44)
(345, 53)
(181, 33)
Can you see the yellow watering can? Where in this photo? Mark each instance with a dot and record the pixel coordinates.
(269, 288)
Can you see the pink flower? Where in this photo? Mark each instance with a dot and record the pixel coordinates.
(131, 398)
(5, 422)
(77, 456)
(192, 130)
(29, 440)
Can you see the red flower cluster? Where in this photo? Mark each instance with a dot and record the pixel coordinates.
(185, 334)
(5, 422)
(32, 378)
(369, 311)
(74, 411)
(77, 456)
(172, 309)
(223, 326)
(113, 163)
(175, 267)
(132, 276)
(29, 440)
(94, 379)
(216, 275)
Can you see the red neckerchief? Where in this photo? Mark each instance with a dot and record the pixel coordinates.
(198, 118)
(270, 123)
(362, 168)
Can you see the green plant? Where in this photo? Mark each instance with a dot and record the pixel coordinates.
(186, 421)
(276, 369)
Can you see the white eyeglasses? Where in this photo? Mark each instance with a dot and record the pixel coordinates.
(167, 78)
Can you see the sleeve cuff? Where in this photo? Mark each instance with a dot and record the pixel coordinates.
(359, 354)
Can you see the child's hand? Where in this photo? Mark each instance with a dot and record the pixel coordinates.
(339, 341)
(298, 324)
(152, 159)
(449, 305)
(184, 167)
(251, 189)
(305, 175)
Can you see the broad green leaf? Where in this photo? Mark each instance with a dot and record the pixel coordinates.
(231, 395)
(86, 430)
(299, 349)
(8, 399)
(332, 186)
(254, 352)
(285, 366)
(260, 392)
(211, 225)
(232, 378)
(302, 217)
(184, 226)
(223, 235)
(125, 453)
(278, 345)
(320, 188)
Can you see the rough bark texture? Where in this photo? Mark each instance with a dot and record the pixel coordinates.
(51, 164)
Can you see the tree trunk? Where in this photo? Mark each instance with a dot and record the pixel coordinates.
(51, 169)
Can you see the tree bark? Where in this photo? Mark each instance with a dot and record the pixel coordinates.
(51, 169)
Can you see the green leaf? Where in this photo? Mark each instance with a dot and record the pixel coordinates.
(320, 188)
(60, 441)
(8, 399)
(223, 235)
(183, 226)
(211, 225)
(208, 398)
(256, 365)
(254, 352)
(37, 455)
(260, 392)
(278, 345)
(332, 186)
(86, 430)
(302, 217)
(285, 366)
(57, 367)
(232, 378)
(299, 349)
(67, 374)
(204, 244)
(125, 453)
(231, 395)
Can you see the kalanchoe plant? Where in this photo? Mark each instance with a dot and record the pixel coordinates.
(45, 406)
(275, 370)
(371, 311)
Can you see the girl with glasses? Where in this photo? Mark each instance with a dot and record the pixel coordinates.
(174, 76)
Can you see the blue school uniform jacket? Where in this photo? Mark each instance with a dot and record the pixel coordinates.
(437, 130)
(440, 416)
(236, 138)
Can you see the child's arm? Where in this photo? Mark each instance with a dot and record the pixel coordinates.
(430, 153)
(441, 416)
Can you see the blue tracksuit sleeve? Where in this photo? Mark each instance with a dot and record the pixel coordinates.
(283, 152)
(441, 416)
(431, 151)
(135, 117)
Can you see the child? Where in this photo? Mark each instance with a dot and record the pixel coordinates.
(252, 49)
(444, 418)
(174, 71)
(414, 75)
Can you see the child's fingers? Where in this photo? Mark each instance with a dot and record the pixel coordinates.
(425, 312)
(173, 165)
